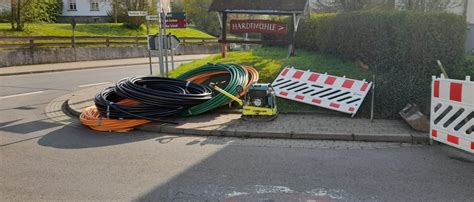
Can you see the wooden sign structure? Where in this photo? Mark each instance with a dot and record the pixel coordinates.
(176, 20)
(293, 8)
(258, 26)
(173, 20)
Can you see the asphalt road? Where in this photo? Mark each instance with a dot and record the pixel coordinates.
(43, 160)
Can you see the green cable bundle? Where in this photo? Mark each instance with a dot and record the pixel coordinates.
(238, 79)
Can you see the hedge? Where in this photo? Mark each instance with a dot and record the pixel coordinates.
(470, 65)
(400, 48)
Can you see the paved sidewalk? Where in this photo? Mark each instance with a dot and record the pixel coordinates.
(40, 68)
(291, 126)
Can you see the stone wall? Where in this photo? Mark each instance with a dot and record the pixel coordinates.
(57, 55)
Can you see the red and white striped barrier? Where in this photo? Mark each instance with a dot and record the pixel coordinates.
(323, 90)
(452, 112)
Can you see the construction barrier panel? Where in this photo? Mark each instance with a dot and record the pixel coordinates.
(452, 112)
(323, 90)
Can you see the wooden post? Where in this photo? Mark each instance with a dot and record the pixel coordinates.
(291, 47)
(32, 43)
(224, 35)
(107, 42)
(74, 42)
(73, 37)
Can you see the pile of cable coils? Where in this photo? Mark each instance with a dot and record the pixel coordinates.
(135, 101)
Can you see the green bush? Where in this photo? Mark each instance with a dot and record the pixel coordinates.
(5, 16)
(400, 48)
(470, 65)
(197, 15)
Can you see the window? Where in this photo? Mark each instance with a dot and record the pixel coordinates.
(94, 5)
(72, 5)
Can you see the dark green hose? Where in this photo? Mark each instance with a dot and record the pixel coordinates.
(238, 78)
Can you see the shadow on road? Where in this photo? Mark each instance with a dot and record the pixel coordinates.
(81, 137)
(28, 127)
(6, 123)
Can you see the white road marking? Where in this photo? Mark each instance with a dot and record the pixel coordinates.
(93, 84)
(21, 94)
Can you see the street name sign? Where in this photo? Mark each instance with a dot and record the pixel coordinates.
(258, 26)
(137, 13)
(152, 17)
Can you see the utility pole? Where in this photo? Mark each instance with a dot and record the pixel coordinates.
(149, 51)
(165, 41)
(224, 35)
(160, 38)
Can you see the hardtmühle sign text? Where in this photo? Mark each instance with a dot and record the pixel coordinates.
(258, 26)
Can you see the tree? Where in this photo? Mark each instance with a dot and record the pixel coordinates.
(197, 13)
(121, 8)
(26, 11)
(177, 6)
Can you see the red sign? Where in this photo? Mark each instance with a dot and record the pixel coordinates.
(258, 26)
(176, 23)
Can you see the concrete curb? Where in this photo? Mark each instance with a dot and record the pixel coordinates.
(415, 138)
(71, 110)
(81, 68)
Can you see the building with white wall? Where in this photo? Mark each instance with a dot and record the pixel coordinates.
(470, 12)
(86, 10)
(470, 27)
(89, 11)
(4, 5)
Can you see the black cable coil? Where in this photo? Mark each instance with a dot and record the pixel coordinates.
(163, 92)
(156, 97)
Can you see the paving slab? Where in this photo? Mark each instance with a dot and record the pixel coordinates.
(81, 99)
(323, 135)
(288, 126)
(387, 137)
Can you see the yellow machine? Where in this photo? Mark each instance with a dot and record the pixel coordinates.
(259, 102)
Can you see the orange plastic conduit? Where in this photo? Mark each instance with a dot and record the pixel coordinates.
(91, 118)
